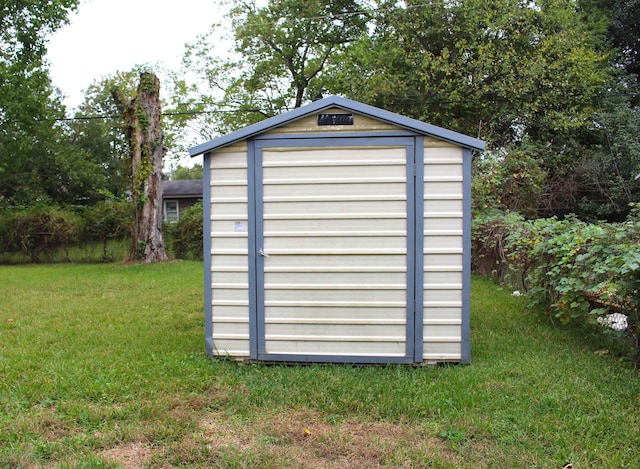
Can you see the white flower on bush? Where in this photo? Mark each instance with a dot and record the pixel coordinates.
(615, 321)
(516, 293)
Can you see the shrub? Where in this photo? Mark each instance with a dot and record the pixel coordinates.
(578, 272)
(38, 230)
(107, 220)
(186, 235)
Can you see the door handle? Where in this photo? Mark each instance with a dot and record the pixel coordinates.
(262, 253)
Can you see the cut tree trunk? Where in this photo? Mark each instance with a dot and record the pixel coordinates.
(143, 122)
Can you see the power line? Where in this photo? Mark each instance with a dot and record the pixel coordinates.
(170, 113)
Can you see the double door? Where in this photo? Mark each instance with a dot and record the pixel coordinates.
(332, 251)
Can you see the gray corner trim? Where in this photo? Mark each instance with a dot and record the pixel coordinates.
(411, 253)
(419, 251)
(466, 258)
(206, 242)
(346, 104)
(354, 359)
(253, 199)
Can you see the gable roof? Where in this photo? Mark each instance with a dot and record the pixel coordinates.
(182, 188)
(347, 105)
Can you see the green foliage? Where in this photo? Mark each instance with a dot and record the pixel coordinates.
(186, 235)
(280, 53)
(31, 144)
(38, 230)
(107, 220)
(512, 180)
(577, 272)
(498, 245)
(501, 70)
(185, 172)
(610, 169)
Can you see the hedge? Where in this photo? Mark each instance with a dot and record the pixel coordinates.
(575, 272)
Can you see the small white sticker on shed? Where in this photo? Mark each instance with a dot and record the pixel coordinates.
(240, 227)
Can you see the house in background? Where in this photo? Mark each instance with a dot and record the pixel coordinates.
(178, 196)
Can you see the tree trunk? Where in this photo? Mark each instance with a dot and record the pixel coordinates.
(143, 121)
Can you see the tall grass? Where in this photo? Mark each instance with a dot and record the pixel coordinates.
(104, 366)
(91, 252)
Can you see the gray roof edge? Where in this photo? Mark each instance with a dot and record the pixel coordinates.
(347, 104)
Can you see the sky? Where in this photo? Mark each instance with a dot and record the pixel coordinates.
(106, 36)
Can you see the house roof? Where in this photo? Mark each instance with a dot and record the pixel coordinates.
(347, 105)
(183, 188)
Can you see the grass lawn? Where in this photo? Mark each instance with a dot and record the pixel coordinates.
(103, 366)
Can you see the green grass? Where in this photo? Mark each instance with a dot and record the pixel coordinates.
(103, 366)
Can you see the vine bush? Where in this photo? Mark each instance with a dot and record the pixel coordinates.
(186, 235)
(104, 221)
(42, 233)
(575, 272)
(37, 231)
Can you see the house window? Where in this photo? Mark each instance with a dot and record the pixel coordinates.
(171, 211)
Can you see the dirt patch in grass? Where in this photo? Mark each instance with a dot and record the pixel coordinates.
(306, 440)
(133, 455)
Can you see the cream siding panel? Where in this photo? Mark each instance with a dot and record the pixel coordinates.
(299, 314)
(226, 277)
(345, 332)
(228, 193)
(338, 257)
(229, 251)
(331, 156)
(230, 347)
(440, 224)
(444, 208)
(224, 262)
(335, 278)
(441, 260)
(229, 175)
(336, 346)
(443, 242)
(443, 350)
(446, 188)
(232, 296)
(442, 314)
(444, 154)
(364, 223)
(327, 191)
(391, 262)
(231, 330)
(442, 276)
(235, 314)
(302, 209)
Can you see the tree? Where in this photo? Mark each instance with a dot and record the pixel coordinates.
(98, 132)
(279, 55)
(30, 140)
(183, 172)
(143, 123)
(512, 72)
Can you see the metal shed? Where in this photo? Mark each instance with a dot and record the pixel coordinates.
(338, 232)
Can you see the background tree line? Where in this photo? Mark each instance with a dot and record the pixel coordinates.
(551, 85)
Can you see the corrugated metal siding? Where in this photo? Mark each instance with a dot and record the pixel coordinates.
(443, 242)
(229, 252)
(335, 229)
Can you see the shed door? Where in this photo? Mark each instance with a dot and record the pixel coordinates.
(333, 249)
